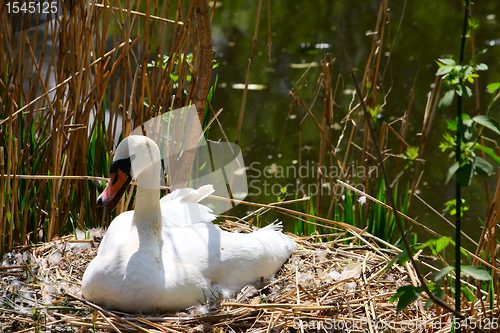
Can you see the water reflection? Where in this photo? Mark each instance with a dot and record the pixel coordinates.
(301, 34)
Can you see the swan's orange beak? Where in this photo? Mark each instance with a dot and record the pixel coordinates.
(114, 190)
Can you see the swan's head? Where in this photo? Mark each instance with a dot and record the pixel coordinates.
(135, 157)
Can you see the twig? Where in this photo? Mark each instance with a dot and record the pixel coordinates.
(137, 13)
(109, 322)
(98, 308)
(247, 79)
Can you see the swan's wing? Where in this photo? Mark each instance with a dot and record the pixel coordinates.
(189, 194)
(176, 213)
(229, 259)
(181, 207)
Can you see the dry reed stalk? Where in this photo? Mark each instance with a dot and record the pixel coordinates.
(299, 147)
(320, 128)
(326, 122)
(201, 78)
(153, 17)
(405, 118)
(488, 241)
(3, 223)
(371, 76)
(89, 67)
(429, 114)
(247, 78)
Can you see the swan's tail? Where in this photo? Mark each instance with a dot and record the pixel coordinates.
(189, 194)
(275, 226)
(277, 239)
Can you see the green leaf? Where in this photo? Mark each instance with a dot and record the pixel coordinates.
(451, 171)
(488, 122)
(471, 77)
(489, 151)
(441, 243)
(436, 290)
(468, 294)
(439, 275)
(468, 91)
(403, 258)
(444, 70)
(477, 272)
(492, 87)
(446, 100)
(449, 62)
(452, 125)
(437, 245)
(468, 129)
(464, 174)
(481, 67)
(174, 77)
(412, 152)
(482, 167)
(405, 296)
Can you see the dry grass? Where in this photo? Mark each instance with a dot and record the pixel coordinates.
(41, 293)
(68, 90)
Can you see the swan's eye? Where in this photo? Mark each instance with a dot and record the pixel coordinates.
(114, 178)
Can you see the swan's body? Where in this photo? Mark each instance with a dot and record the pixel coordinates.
(166, 255)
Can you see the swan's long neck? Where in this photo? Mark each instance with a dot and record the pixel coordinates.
(147, 212)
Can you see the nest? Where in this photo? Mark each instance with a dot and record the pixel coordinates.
(330, 283)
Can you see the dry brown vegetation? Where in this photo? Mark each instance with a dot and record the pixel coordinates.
(70, 89)
(313, 290)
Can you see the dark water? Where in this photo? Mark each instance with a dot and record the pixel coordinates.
(303, 32)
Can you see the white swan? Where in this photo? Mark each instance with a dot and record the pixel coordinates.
(166, 255)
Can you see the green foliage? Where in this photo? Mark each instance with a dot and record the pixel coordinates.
(438, 245)
(282, 195)
(411, 153)
(442, 273)
(405, 296)
(470, 161)
(451, 207)
(163, 61)
(374, 111)
(493, 87)
(454, 78)
(381, 221)
(436, 290)
(349, 202)
(477, 272)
